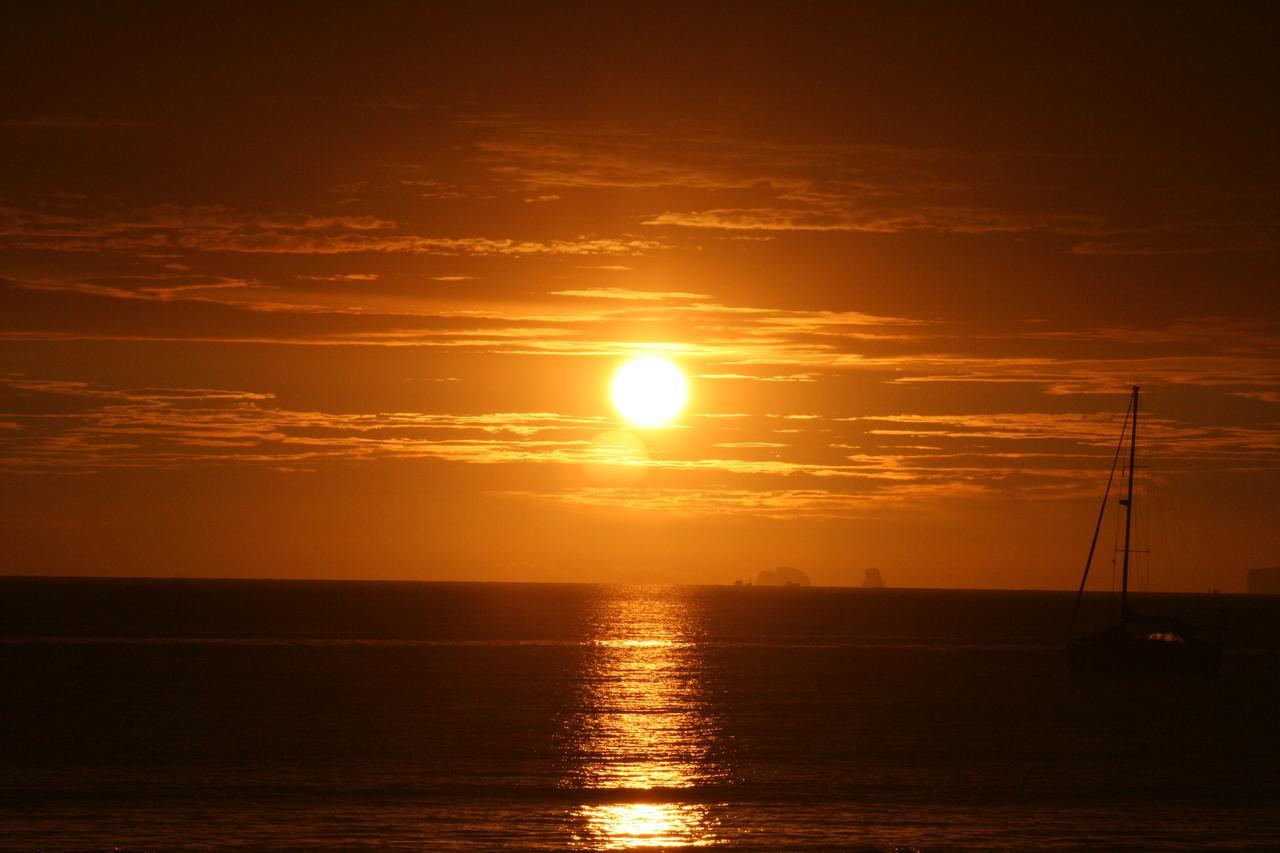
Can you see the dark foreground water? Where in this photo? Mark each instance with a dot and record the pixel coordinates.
(155, 715)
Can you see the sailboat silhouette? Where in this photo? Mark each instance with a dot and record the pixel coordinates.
(1139, 644)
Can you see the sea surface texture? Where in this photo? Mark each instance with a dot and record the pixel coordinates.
(272, 715)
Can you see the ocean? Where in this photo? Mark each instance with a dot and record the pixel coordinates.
(151, 715)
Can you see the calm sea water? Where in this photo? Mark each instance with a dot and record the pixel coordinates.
(157, 715)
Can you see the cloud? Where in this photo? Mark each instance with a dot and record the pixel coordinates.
(1166, 438)
(1066, 376)
(221, 229)
(156, 288)
(721, 343)
(783, 377)
(167, 427)
(780, 504)
(1263, 396)
(762, 189)
(731, 445)
(788, 187)
(598, 155)
(589, 323)
(627, 295)
(723, 463)
(936, 219)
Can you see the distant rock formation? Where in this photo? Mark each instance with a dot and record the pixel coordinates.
(872, 579)
(1264, 581)
(782, 576)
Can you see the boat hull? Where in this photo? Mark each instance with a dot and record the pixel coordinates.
(1122, 653)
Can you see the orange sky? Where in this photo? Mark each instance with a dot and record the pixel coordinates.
(296, 295)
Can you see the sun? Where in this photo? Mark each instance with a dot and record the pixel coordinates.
(649, 391)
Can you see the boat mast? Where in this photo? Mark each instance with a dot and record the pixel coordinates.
(1102, 511)
(1128, 509)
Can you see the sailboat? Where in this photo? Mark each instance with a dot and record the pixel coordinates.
(1138, 644)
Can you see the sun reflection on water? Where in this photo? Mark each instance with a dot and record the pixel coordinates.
(644, 730)
(626, 826)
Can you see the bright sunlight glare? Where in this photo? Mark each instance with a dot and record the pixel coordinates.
(649, 391)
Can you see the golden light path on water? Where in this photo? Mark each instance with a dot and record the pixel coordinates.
(643, 732)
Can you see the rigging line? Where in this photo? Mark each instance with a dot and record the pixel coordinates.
(1115, 544)
(1101, 510)
(1128, 509)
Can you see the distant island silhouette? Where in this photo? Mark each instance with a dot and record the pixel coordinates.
(782, 576)
(872, 579)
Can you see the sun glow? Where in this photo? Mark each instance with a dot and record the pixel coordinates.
(649, 391)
